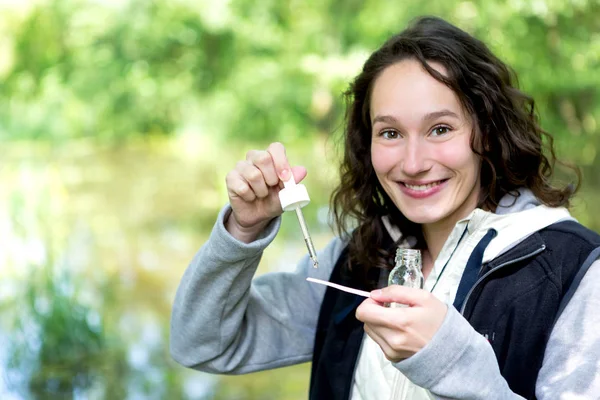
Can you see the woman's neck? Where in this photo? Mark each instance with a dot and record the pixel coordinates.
(435, 236)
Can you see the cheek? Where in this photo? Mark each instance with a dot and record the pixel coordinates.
(471, 165)
(460, 159)
(381, 158)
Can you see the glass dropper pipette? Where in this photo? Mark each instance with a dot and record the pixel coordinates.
(293, 197)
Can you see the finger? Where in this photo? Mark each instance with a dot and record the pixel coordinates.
(299, 173)
(255, 179)
(264, 162)
(395, 319)
(282, 166)
(375, 334)
(386, 340)
(237, 186)
(372, 312)
(401, 294)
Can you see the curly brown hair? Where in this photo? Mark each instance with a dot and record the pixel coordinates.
(515, 151)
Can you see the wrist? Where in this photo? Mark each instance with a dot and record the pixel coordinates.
(245, 234)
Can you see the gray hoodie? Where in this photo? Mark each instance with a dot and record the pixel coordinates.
(224, 321)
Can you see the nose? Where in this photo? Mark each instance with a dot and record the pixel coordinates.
(414, 157)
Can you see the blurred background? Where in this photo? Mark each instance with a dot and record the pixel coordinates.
(120, 118)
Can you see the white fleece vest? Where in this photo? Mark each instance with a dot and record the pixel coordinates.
(375, 377)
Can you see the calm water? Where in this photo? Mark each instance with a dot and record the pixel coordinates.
(94, 241)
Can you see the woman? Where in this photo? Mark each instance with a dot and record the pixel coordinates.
(442, 154)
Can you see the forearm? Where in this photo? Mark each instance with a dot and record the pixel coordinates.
(225, 322)
(216, 282)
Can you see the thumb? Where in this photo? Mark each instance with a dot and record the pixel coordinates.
(400, 294)
(299, 173)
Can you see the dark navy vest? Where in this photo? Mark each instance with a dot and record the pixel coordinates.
(513, 301)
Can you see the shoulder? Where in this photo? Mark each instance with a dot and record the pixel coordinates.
(573, 230)
(569, 242)
(571, 250)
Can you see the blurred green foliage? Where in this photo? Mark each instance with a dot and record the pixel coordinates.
(120, 118)
(268, 70)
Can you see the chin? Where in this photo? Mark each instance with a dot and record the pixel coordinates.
(421, 220)
(423, 214)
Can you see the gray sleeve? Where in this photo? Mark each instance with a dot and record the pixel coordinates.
(459, 363)
(223, 321)
(571, 367)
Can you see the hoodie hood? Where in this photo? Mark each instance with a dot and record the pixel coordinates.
(517, 217)
(522, 200)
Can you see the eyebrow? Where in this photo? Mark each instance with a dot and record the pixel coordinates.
(427, 117)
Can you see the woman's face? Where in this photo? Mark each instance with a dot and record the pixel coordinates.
(420, 145)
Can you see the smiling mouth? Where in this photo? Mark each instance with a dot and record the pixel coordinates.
(422, 188)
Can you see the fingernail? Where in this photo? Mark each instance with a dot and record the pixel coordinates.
(377, 292)
(285, 174)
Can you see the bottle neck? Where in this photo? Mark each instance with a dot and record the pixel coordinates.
(410, 257)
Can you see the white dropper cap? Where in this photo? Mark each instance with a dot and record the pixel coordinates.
(293, 196)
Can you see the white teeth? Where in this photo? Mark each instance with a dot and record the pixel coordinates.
(422, 187)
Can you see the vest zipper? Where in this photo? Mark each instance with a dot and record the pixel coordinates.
(533, 253)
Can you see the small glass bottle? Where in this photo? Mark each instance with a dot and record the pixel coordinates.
(407, 271)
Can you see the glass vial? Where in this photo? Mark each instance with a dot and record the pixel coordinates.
(407, 271)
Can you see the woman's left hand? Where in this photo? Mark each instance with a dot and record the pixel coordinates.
(402, 331)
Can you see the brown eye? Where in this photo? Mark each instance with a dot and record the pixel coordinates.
(440, 130)
(389, 134)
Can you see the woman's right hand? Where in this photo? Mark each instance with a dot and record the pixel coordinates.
(253, 187)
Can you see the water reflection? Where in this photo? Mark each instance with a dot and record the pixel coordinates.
(94, 243)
